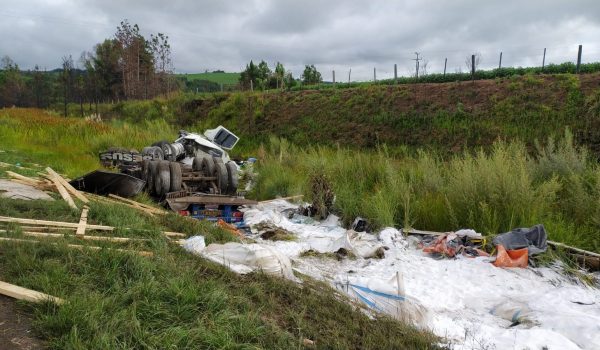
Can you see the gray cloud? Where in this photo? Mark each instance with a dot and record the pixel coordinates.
(338, 34)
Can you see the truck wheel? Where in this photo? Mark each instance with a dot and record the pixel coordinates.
(146, 151)
(175, 177)
(232, 177)
(157, 153)
(221, 173)
(152, 173)
(162, 181)
(145, 170)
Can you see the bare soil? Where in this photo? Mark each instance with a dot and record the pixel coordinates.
(16, 331)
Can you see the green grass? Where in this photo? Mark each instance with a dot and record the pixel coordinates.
(175, 300)
(71, 145)
(219, 78)
(492, 191)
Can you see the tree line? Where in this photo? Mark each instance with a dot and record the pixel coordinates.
(125, 66)
(263, 78)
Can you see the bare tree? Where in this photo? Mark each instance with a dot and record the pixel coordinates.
(468, 60)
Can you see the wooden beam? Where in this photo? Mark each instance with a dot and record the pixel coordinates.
(54, 223)
(32, 182)
(82, 222)
(283, 198)
(21, 293)
(67, 185)
(424, 233)
(81, 247)
(88, 237)
(61, 189)
(173, 234)
(72, 225)
(142, 205)
(573, 249)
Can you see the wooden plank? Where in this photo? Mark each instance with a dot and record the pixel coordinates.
(173, 234)
(82, 222)
(67, 185)
(72, 225)
(32, 182)
(283, 198)
(81, 247)
(142, 205)
(62, 190)
(425, 233)
(87, 237)
(44, 228)
(54, 223)
(21, 293)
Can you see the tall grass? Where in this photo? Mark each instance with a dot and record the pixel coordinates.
(507, 187)
(72, 145)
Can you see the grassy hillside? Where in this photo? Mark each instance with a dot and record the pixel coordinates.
(219, 78)
(447, 117)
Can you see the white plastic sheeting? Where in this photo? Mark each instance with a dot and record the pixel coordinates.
(460, 295)
(243, 258)
(385, 296)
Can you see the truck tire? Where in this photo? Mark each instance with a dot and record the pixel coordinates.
(157, 153)
(152, 172)
(175, 177)
(169, 152)
(145, 170)
(162, 180)
(146, 151)
(232, 177)
(221, 174)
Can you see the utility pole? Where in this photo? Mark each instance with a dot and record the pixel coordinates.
(395, 73)
(349, 73)
(500, 63)
(417, 65)
(374, 75)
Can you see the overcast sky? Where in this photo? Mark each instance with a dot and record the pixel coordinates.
(331, 34)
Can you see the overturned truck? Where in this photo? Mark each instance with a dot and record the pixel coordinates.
(192, 163)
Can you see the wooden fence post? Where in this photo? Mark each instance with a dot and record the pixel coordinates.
(333, 73)
(544, 59)
(579, 58)
(374, 75)
(473, 67)
(395, 73)
(445, 63)
(500, 62)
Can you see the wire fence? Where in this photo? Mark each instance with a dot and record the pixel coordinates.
(448, 69)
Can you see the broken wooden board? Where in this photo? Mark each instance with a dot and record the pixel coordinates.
(67, 185)
(21, 293)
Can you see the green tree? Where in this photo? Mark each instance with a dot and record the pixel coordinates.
(12, 85)
(311, 75)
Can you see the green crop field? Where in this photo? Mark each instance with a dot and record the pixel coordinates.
(219, 78)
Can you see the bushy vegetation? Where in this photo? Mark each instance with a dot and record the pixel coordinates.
(506, 187)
